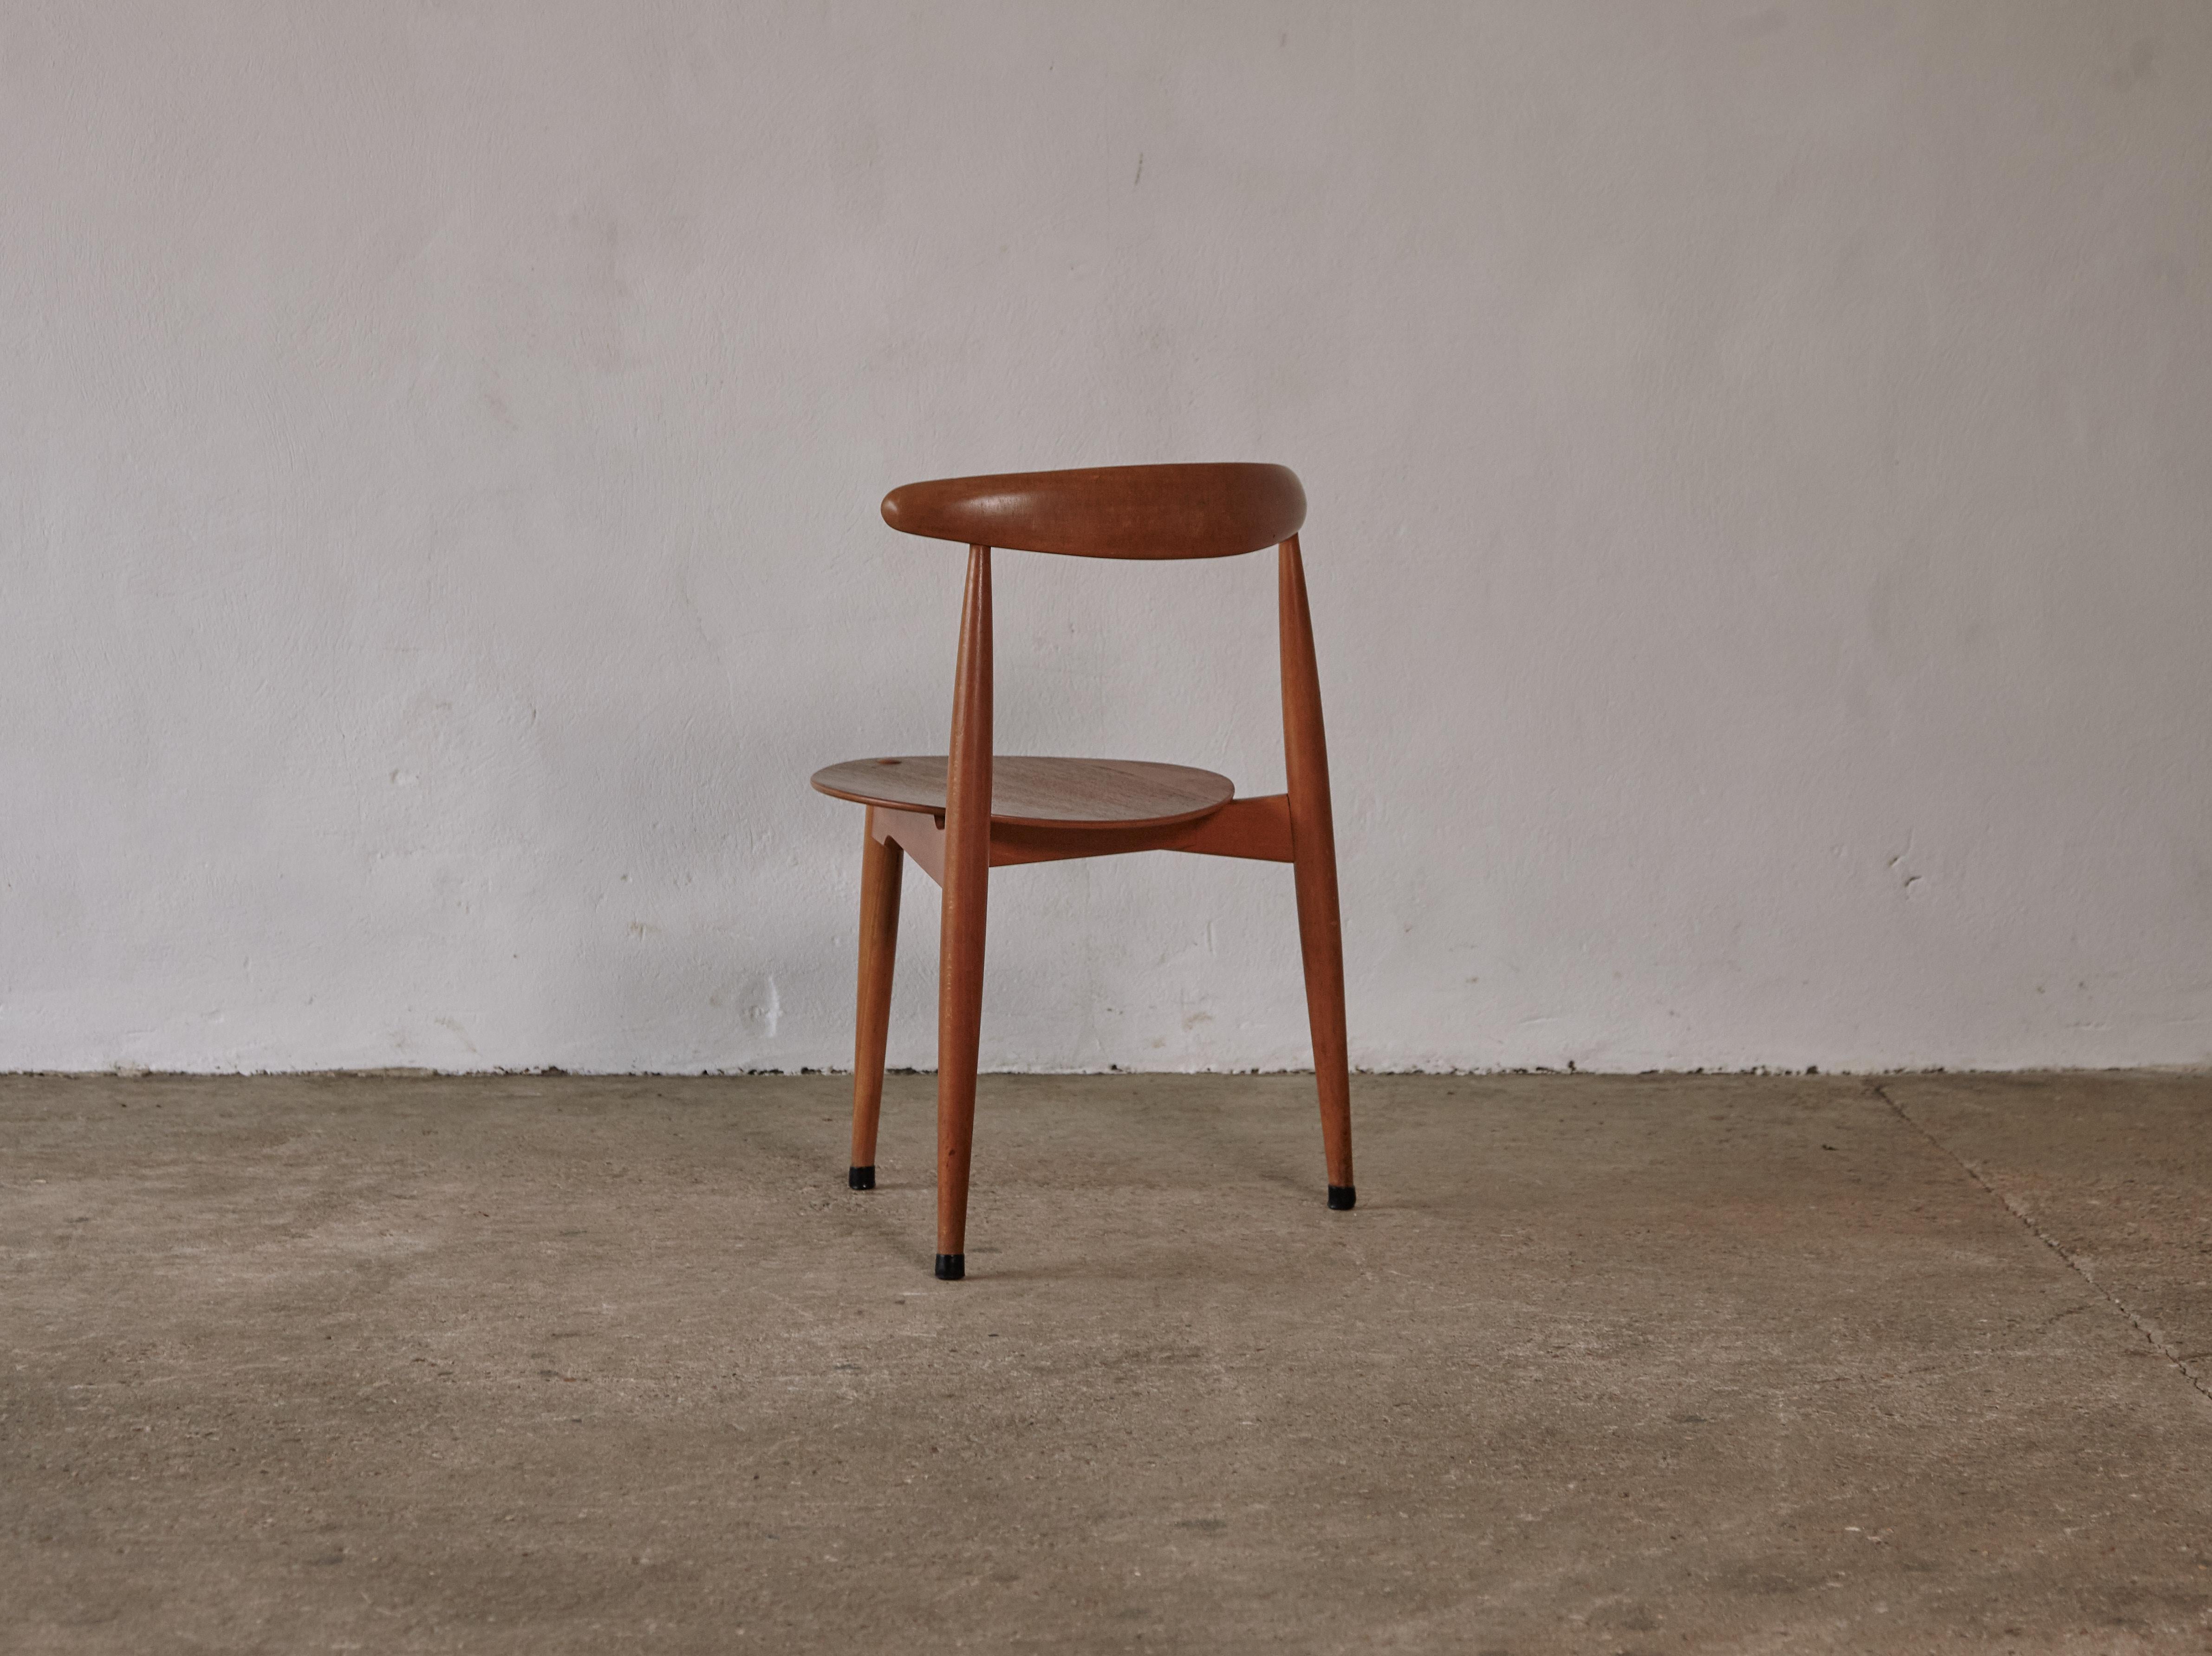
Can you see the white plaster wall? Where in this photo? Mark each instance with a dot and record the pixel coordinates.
(1760, 479)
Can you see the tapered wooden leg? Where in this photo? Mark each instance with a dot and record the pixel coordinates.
(1313, 854)
(967, 886)
(881, 868)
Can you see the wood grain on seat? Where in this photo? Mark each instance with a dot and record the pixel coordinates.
(1110, 511)
(1054, 793)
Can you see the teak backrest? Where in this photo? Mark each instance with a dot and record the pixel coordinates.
(1110, 511)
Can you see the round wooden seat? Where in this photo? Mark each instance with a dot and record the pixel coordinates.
(1048, 793)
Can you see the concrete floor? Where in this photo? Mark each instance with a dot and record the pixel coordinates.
(1600, 1364)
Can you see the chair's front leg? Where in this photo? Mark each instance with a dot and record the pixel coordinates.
(881, 868)
(1312, 855)
(959, 1030)
(967, 890)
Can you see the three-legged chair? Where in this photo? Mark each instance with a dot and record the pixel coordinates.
(961, 816)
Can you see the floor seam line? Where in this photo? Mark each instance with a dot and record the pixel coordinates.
(2141, 1327)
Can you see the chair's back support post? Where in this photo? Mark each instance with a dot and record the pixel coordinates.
(967, 886)
(1313, 852)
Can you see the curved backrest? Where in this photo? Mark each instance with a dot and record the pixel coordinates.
(1110, 511)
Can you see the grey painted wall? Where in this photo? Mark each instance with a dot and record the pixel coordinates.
(1758, 458)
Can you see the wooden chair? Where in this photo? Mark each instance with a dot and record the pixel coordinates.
(961, 816)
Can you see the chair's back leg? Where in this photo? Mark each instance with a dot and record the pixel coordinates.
(882, 867)
(1313, 852)
(967, 886)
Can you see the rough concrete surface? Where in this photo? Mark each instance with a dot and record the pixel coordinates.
(1599, 1364)
(2114, 1171)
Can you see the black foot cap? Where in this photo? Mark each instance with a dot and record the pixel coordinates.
(1342, 1198)
(861, 1179)
(951, 1267)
